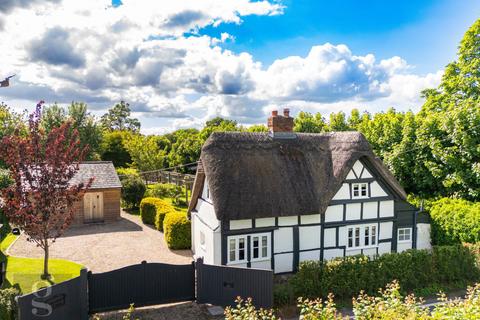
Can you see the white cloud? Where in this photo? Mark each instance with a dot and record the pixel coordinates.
(89, 50)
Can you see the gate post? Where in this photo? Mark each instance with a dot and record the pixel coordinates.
(199, 291)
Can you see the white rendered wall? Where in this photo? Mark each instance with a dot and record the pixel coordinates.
(384, 247)
(265, 264)
(313, 255)
(309, 237)
(402, 246)
(283, 240)
(240, 224)
(423, 236)
(370, 210)
(313, 218)
(330, 235)
(204, 220)
(386, 230)
(283, 262)
(334, 213)
(264, 222)
(288, 221)
(376, 190)
(332, 253)
(353, 211)
(343, 193)
(386, 208)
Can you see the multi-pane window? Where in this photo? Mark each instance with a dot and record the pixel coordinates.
(237, 249)
(259, 247)
(362, 236)
(359, 190)
(404, 234)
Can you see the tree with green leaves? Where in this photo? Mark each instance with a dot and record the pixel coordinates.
(118, 118)
(145, 153)
(307, 122)
(113, 148)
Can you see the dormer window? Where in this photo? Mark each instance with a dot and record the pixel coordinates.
(359, 190)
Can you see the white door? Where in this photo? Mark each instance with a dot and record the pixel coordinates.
(93, 206)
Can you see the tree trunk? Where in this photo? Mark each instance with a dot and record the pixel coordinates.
(45, 274)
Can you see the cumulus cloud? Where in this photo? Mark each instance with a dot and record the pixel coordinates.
(55, 48)
(152, 54)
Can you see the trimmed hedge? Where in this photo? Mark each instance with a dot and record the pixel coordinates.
(148, 209)
(177, 230)
(153, 211)
(414, 269)
(455, 221)
(163, 209)
(8, 305)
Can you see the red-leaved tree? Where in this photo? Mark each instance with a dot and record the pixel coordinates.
(41, 199)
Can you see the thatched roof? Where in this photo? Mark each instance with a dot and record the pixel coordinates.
(253, 175)
(103, 172)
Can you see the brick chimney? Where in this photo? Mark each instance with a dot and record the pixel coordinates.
(281, 126)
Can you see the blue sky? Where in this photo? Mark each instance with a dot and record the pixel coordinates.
(181, 63)
(426, 33)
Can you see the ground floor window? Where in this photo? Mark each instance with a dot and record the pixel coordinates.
(361, 236)
(260, 247)
(404, 234)
(237, 248)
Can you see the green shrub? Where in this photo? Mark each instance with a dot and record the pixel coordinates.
(388, 304)
(163, 209)
(167, 190)
(177, 230)
(5, 229)
(455, 221)
(133, 190)
(148, 209)
(444, 266)
(8, 305)
(123, 172)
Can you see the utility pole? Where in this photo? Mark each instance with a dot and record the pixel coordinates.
(6, 82)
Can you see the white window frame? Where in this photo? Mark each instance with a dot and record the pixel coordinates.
(237, 249)
(410, 235)
(372, 236)
(260, 247)
(359, 185)
(206, 190)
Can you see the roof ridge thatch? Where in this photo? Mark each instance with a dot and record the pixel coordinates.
(253, 175)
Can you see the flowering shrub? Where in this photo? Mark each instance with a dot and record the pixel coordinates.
(389, 304)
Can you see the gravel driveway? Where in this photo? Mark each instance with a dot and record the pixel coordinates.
(109, 246)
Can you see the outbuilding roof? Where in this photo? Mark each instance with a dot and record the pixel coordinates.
(103, 172)
(253, 175)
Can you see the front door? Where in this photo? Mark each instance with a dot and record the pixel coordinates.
(93, 206)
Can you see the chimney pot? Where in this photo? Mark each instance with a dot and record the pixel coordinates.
(286, 112)
(274, 113)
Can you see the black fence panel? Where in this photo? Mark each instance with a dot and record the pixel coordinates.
(66, 300)
(142, 284)
(220, 285)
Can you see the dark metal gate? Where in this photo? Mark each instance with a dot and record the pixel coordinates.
(221, 285)
(142, 284)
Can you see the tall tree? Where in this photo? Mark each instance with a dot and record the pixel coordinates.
(113, 148)
(41, 199)
(118, 118)
(89, 131)
(53, 117)
(145, 153)
(307, 122)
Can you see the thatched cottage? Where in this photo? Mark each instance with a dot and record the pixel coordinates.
(101, 203)
(273, 200)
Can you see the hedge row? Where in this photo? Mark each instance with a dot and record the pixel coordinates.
(177, 231)
(174, 224)
(414, 269)
(455, 221)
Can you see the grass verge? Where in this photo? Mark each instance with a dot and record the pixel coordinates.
(25, 272)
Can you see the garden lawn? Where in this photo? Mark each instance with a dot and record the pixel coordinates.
(25, 272)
